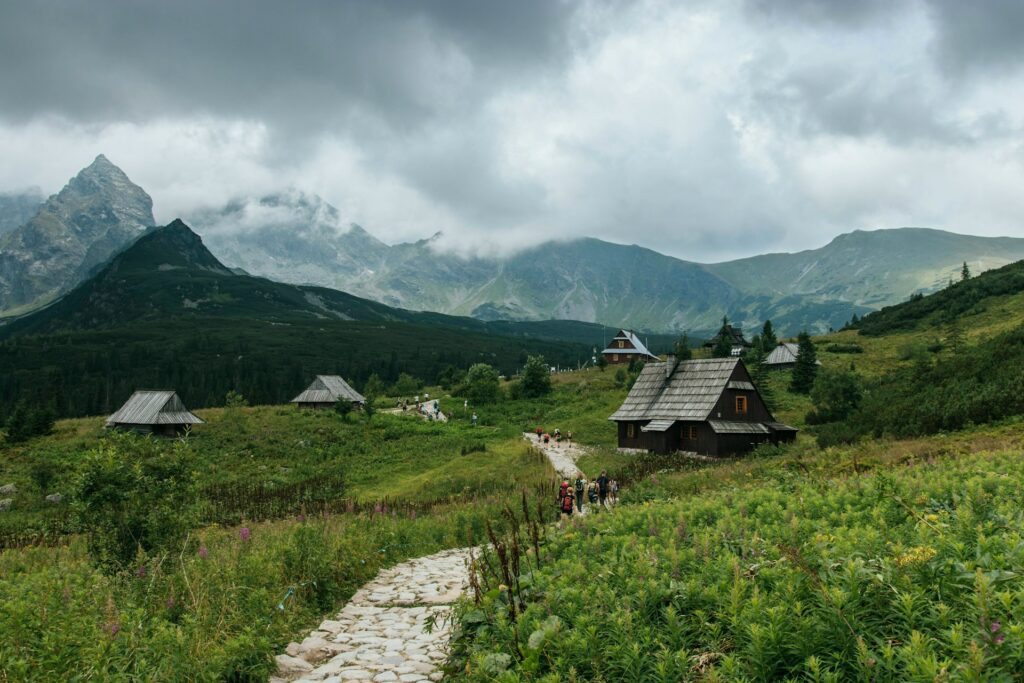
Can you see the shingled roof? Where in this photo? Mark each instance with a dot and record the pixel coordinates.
(689, 394)
(638, 346)
(328, 389)
(784, 354)
(153, 408)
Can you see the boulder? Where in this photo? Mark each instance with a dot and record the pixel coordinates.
(5, 504)
(288, 665)
(54, 498)
(8, 490)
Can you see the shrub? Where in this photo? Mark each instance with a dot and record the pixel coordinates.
(405, 385)
(836, 394)
(132, 499)
(481, 386)
(844, 348)
(536, 379)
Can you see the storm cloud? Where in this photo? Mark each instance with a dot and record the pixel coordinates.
(702, 129)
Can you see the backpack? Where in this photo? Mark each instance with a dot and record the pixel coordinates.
(567, 503)
(579, 486)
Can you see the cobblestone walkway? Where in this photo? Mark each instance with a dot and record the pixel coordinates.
(380, 634)
(562, 456)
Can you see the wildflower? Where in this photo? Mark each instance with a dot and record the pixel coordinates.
(170, 602)
(999, 639)
(301, 518)
(502, 588)
(244, 533)
(203, 552)
(141, 572)
(994, 627)
(378, 508)
(113, 627)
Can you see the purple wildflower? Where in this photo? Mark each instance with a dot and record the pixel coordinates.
(203, 552)
(999, 639)
(141, 572)
(244, 533)
(301, 518)
(994, 627)
(378, 508)
(113, 627)
(170, 602)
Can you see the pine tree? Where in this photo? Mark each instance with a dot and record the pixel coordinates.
(768, 339)
(965, 272)
(806, 368)
(682, 349)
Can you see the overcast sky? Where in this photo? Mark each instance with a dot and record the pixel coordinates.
(707, 130)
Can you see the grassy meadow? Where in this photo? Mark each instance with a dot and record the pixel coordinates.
(880, 560)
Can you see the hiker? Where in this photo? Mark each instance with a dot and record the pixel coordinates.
(592, 492)
(474, 419)
(546, 439)
(565, 502)
(602, 487)
(568, 438)
(613, 492)
(581, 489)
(558, 438)
(540, 431)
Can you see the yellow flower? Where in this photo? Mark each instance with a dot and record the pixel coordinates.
(916, 555)
(502, 588)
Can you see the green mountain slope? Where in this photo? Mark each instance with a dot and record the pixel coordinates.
(874, 269)
(166, 313)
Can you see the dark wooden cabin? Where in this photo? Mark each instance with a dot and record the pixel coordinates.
(626, 347)
(737, 341)
(154, 412)
(708, 406)
(325, 391)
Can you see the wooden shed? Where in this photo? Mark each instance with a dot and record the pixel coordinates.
(155, 412)
(708, 406)
(737, 342)
(325, 391)
(626, 347)
(783, 356)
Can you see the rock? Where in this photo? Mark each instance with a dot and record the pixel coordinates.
(385, 676)
(5, 504)
(293, 649)
(8, 490)
(54, 498)
(287, 665)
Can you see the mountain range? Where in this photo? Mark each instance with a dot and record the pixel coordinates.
(299, 238)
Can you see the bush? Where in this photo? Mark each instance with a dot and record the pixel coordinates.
(405, 385)
(536, 380)
(132, 499)
(844, 348)
(482, 384)
(836, 394)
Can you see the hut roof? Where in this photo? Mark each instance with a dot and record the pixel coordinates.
(328, 389)
(630, 336)
(734, 334)
(690, 393)
(153, 408)
(783, 354)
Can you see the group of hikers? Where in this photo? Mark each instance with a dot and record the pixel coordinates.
(556, 436)
(603, 492)
(430, 409)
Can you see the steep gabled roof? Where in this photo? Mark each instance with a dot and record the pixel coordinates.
(638, 346)
(689, 394)
(328, 389)
(735, 335)
(782, 354)
(153, 408)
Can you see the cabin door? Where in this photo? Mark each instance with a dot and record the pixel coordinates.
(688, 438)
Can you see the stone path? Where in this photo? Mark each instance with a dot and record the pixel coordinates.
(381, 635)
(562, 456)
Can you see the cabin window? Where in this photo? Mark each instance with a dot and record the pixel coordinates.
(631, 430)
(741, 405)
(615, 357)
(622, 344)
(690, 432)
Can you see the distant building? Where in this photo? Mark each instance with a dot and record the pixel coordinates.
(707, 406)
(625, 347)
(783, 356)
(325, 391)
(156, 412)
(737, 342)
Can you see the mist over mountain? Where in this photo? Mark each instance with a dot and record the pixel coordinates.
(17, 207)
(95, 215)
(299, 238)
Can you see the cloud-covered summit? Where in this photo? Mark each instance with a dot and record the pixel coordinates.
(705, 130)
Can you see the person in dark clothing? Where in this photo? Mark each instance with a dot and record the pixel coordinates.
(602, 487)
(581, 490)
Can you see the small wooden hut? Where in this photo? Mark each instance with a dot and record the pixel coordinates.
(154, 412)
(737, 342)
(708, 406)
(626, 347)
(783, 356)
(325, 391)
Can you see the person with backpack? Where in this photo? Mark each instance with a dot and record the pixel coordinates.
(581, 489)
(592, 493)
(613, 492)
(602, 487)
(565, 506)
(540, 432)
